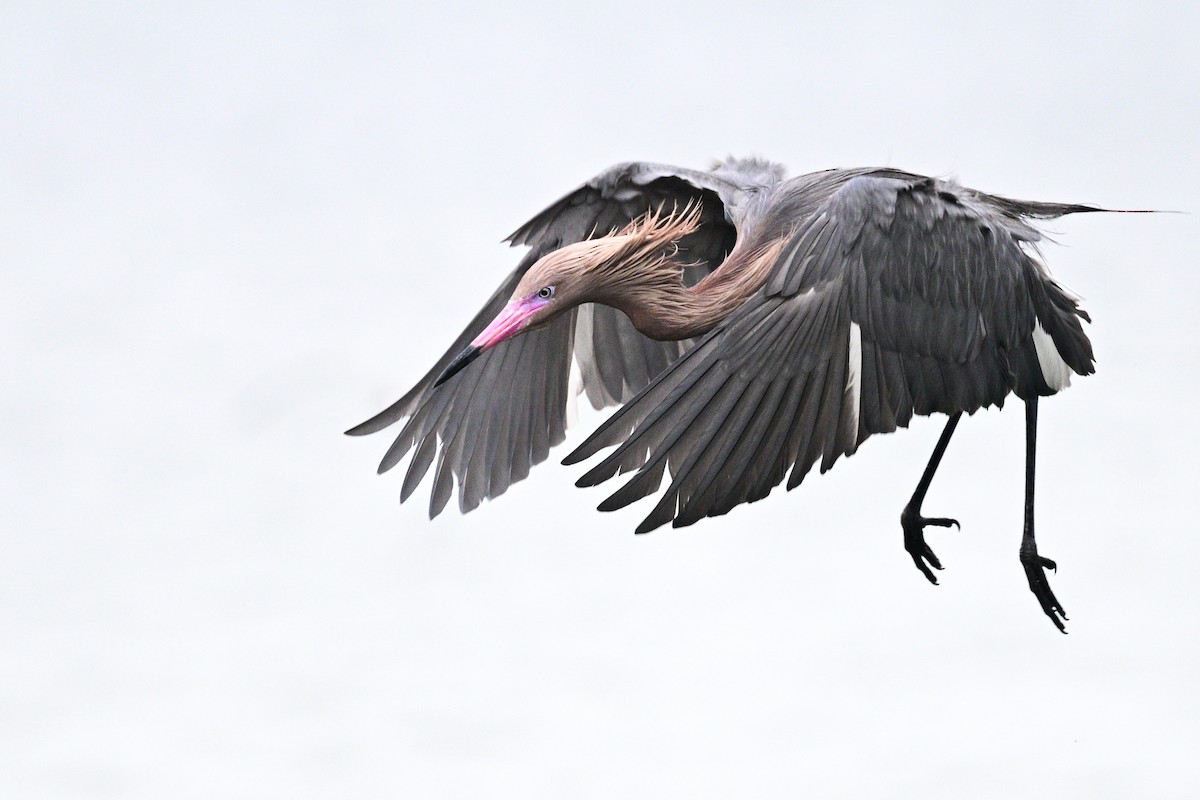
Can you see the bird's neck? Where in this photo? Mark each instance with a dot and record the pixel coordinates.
(671, 312)
(666, 310)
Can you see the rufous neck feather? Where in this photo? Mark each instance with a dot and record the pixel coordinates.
(638, 273)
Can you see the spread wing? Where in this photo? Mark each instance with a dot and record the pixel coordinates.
(485, 429)
(896, 295)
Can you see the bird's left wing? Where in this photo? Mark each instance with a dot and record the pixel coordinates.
(485, 429)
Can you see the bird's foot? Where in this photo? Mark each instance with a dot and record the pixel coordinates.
(1035, 571)
(914, 539)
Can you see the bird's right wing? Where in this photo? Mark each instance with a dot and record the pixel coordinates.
(754, 398)
(895, 294)
(488, 426)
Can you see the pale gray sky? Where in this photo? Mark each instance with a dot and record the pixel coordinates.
(230, 231)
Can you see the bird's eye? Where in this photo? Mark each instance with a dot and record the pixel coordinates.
(546, 292)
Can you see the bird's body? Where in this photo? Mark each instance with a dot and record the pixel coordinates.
(752, 326)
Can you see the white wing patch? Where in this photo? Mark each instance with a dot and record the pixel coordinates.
(1055, 371)
(854, 373)
(574, 389)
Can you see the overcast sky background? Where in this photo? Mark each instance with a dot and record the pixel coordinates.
(230, 231)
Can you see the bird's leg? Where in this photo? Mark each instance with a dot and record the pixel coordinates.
(911, 519)
(1034, 564)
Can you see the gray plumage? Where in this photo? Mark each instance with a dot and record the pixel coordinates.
(791, 320)
(936, 275)
(945, 294)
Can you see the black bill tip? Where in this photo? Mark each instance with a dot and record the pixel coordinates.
(461, 360)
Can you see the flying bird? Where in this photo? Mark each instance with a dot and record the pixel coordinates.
(749, 326)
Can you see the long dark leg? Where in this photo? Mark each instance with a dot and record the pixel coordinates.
(1035, 565)
(911, 519)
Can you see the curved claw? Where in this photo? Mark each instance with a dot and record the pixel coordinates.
(922, 555)
(914, 540)
(1035, 572)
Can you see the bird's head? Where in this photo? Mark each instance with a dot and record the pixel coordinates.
(594, 270)
(556, 283)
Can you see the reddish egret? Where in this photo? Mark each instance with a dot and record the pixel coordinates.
(750, 326)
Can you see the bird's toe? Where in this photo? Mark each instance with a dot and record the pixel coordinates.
(914, 540)
(1035, 572)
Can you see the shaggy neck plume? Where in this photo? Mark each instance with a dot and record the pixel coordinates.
(640, 276)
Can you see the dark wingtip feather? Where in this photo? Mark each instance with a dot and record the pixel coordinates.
(610, 504)
(654, 521)
(1039, 210)
(596, 475)
(390, 415)
(683, 521)
(395, 453)
(1131, 210)
(602, 437)
(439, 498)
(418, 467)
(374, 424)
(574, 457)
